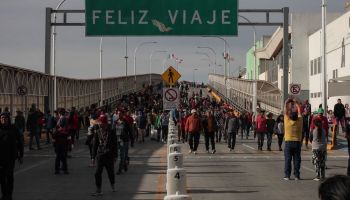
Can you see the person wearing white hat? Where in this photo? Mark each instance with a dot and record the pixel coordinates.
(193, 127)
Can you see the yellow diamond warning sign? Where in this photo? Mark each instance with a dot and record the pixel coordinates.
(170, 76)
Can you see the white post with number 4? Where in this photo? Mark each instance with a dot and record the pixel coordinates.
(176, 181)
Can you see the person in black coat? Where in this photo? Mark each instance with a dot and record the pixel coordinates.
(11, 149)
(105, 151)
(61, 140)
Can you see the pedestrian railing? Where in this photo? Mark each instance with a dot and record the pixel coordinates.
(176, 174)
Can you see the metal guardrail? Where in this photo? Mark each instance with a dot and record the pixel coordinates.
(239, 93)
(79, 93)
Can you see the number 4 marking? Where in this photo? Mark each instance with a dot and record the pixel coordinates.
(177, 175)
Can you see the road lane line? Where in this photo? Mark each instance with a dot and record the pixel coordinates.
(249, 146)
(308, 169)
(33, 166)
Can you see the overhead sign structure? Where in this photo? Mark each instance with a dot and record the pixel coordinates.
(161, 17)
(171, 98)
(170, 76)
(22, 90)
(294, 89)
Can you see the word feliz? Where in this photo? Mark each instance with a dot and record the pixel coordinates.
(178, 16)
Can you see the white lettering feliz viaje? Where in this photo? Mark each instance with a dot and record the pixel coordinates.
(111, 17)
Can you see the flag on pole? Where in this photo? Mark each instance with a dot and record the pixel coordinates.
(178, 60)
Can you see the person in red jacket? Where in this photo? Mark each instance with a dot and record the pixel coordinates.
(193, 127)
(323, 119)
(261, 128)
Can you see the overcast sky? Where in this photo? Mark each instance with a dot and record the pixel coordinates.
(22, 29)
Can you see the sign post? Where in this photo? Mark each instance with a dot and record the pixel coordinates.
(170, 76)
(294, 89)
(161, 17)
(171, 98)
(22, 90)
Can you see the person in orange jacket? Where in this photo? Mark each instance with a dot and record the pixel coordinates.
(193, 127)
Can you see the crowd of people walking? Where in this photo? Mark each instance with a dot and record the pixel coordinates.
(137, 117)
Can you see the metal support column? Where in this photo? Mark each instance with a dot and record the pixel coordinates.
(48, 100)
(285, 53)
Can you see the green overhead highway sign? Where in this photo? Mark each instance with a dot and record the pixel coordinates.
(161, 17)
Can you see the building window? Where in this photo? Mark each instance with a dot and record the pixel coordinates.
(312, 95)
(319, 94)
(319, 65)
(312, 67)
(315, 66)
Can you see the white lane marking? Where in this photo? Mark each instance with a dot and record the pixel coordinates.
(32, 166)
(308, 169)
(249, 146)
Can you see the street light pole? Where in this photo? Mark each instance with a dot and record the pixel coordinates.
(150, 64)
(53, 71)
(101, 86)
(210, 61)
(255, 89)
(165, 61)
(135, 51)
(324, 59)
(212, 50)
(126, 63)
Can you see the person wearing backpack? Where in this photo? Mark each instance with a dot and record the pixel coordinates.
(164, 120)
(261, 128)
(231, 128)
(105, 152)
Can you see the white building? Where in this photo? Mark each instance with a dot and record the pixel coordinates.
(271, 59)
(337, 58)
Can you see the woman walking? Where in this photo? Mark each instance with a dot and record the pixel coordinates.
(280, 131)
(319, 150)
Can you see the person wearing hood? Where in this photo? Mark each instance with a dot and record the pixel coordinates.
(11, 149)
(293, 124)
(105, 151)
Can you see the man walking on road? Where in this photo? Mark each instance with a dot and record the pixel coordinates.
(209, 127)
(339, 114)
(61, 140)
(33, 127)
(11, 149)
(293, 124)
(231, 128)
(270, 124)
(193, 127)
(105, 151)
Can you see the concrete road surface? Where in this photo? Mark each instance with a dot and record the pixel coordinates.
(244, 173)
